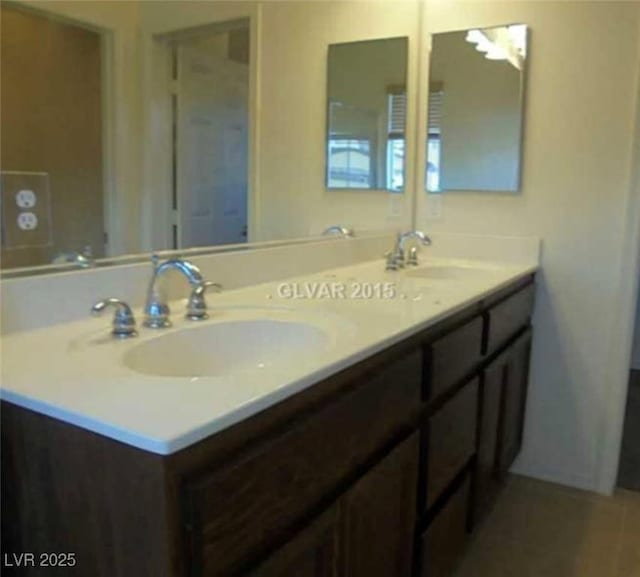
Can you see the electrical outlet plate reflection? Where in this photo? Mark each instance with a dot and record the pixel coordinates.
(26, 209)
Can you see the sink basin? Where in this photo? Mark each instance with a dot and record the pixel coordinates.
(448, 272)
(225, 348)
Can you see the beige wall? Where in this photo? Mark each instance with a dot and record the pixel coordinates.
(52, 123)
(294, 201)
(289, 199)
(288, 124)
(119, 23)
(582, 90)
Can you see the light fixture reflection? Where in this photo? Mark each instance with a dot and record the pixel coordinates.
(502, 43)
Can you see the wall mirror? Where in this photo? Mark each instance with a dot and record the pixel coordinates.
(134, 127)
(366, 114)
(475, 118)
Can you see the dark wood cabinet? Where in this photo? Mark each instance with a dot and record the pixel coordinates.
(444, 540)
(487, 480)
(451, 434)
(492, 421)
(379, 515)
(502, 408)
(361, 475)
(367, 532)
(452, 358)
(246, 503)
(514, 402)
(507, 317)
(313, 552)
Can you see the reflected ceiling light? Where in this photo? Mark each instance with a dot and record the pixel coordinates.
(518, 35)
(496, 52)
(505, 43)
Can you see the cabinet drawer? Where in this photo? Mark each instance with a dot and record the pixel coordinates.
(451, 440)
(237, 512)
(487, 479)
(379, 516)
(508, 317)
(444, 540)
(313, 551)
(452, 357)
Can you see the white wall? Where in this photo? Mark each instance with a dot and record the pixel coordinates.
(580, 106)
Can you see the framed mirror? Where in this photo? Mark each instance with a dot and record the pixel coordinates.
(476, 108)
(135, 127)
(366, 115)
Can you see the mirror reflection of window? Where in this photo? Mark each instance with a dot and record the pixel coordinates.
(349, 163)
(396, 118)
(433, 138)
(367, 105)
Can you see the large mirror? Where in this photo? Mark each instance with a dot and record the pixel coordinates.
(132, 127)
(366, 114)
(475, 120)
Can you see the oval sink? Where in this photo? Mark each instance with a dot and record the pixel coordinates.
(448, 272)
(224, 348)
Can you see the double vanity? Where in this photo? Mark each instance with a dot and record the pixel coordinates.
(364, 433)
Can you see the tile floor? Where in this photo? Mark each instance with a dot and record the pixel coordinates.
(539, 529)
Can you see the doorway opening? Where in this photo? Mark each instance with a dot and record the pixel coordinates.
(209, 93)
(629, 468)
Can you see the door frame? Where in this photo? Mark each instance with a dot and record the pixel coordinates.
(620, 342)
(157, 186)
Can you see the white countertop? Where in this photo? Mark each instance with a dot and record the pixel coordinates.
(74, 371)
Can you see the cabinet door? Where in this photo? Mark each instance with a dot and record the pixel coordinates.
(513, 403)
(243, 507)
(379, 514)
(451, 440)
(486, 474)
(311, 553)
(444, 540)
(503, 400)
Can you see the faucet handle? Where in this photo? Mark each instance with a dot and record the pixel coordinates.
(124, 323)
(392, 261)
(412, 260)
(197, 305)
(340, 230)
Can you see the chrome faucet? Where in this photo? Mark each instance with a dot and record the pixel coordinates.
(80, 259)
(339, 230)
(124, 323)
(396, 259)
(157, 310)
(196, 305)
